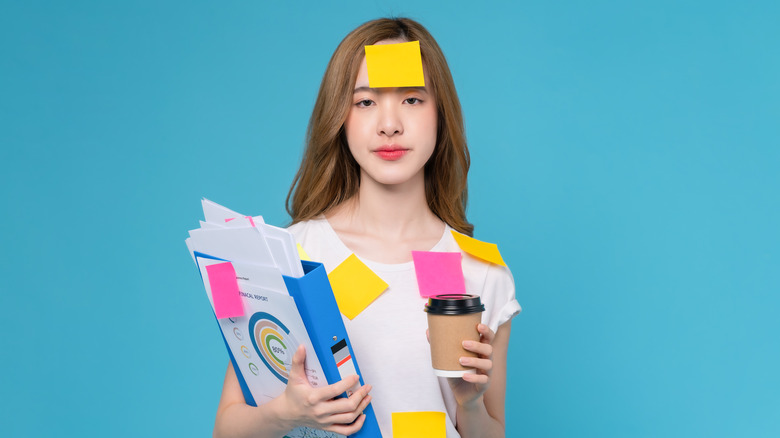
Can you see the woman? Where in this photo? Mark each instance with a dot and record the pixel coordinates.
(384, 174)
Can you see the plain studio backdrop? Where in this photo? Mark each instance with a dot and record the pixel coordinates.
(625, 160)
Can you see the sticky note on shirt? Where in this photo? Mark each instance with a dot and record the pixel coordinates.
(438, 273)
(355, 286)
(395, 65)
(477, 248)
(224, 290)
(302, 254)
(418, 424)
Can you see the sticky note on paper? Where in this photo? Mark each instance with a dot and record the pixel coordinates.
(477, 248)
(395, 65)
(417, 424)
(438, 273)
(302, 254)
(224, 290)
(355, 286)
(251, 221)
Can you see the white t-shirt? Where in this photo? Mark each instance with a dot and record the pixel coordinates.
(388, 336)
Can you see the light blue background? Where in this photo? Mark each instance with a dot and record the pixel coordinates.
(625, 159)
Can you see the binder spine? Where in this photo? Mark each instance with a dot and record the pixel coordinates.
(321, 316)
(311, 298)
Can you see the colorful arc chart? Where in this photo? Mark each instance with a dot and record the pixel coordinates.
(274, 344)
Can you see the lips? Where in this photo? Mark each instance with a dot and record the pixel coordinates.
(391, 152)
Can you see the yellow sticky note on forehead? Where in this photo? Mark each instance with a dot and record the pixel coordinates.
(355, 286)
(477, 248)
(395, 65)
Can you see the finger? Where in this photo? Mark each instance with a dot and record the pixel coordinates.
(487, 334)
(350, 404)
(478, 347)
(349, 429)
(428, 335)
(476, 378)
(336, 389)
(349, 417)
(297, 371)
(474, 362)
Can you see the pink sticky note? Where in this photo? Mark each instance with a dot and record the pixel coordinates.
(438, 273)
(224, 290)
(251, 221)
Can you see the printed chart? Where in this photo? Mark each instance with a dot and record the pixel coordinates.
(274, 344)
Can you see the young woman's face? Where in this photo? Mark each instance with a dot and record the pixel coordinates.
(391, 132)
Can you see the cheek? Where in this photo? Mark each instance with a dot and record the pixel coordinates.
(433, 125)
(351, 130)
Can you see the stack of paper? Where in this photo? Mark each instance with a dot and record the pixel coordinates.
(241, 260)
(238, 238)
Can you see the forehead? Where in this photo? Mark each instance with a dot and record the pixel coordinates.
(362, 76)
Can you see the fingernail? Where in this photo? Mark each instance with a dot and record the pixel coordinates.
(463, 360)
(468, 343)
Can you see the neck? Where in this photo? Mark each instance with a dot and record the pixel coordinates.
(392, 211)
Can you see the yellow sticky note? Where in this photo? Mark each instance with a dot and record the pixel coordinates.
(417, 424)
(477, 248)
(395, 65)
(355, 286)
(302, 254)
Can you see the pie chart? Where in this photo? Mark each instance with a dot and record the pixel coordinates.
(273, 343)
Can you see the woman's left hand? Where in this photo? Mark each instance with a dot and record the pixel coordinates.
(470, 387)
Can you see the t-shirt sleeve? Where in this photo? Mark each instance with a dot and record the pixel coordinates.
(499, 297)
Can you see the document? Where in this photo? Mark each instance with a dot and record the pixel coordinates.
(267, 303)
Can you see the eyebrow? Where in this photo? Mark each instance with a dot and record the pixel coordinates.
(401, 89)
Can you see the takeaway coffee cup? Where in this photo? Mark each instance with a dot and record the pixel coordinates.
(452, 319)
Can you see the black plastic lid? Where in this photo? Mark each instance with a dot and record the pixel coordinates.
(454, 304)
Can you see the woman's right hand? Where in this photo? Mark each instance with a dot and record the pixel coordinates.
(318, 408)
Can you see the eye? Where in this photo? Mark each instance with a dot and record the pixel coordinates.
(364, 103)
(412, 100)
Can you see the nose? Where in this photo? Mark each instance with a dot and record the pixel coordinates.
(389, 123)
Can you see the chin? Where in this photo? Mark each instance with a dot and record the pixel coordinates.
(391, 179)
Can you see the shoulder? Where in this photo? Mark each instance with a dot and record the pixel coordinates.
(493, 282)
(480, 272)
(319, 241)
(500, 296)
(306, 229)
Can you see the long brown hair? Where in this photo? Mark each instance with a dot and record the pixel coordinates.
(329, 175)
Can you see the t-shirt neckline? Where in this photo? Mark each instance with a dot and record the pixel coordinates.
(374, 265)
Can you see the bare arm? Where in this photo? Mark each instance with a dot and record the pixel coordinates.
(483, 416)
(299, 405)
(237, 419)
